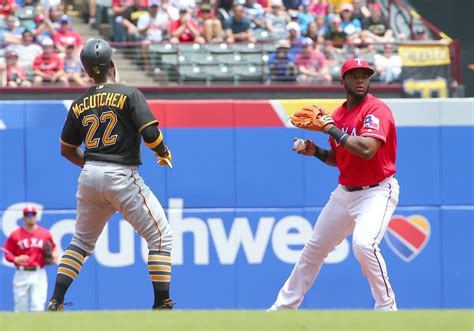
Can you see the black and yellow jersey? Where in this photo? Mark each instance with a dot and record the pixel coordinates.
(108, 119)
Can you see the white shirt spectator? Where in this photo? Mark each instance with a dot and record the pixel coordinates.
(388, 65)
(27, 53)
(155, 25)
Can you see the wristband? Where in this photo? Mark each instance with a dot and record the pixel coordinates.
(338, 135)
(321, 154)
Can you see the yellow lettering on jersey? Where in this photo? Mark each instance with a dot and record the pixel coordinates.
(109, 98)
(75, 109)
(93, 101)
(121, 102)
(102, 101)
(85, 102)
(114, 101)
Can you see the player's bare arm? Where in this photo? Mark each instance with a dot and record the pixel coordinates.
(74, 155)
(364, 147)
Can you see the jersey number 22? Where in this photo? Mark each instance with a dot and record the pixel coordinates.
(93, 121)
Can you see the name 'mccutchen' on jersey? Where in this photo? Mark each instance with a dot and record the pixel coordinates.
(108, 119)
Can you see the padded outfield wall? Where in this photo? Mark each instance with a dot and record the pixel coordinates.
(242, 204)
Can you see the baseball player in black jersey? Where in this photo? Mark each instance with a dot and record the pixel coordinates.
(110, 119)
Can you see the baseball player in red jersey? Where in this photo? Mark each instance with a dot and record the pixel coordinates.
(363, 148)
(25, 247)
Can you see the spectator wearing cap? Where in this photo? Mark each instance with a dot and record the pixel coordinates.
(388, 65)
(349, 24)
(15, 73)
(282, 63)
(294, 37)
(237, 28)
(335, 32)
(376, 28)
(211, 26)
(66, 36)
(311, 64)
(26, 248)
(130, 19)
(185, 29)
(11, 34)
(73, 67)
(254, 12)
(49, 67)
(27, 50)
(277, 18)
(153, 27)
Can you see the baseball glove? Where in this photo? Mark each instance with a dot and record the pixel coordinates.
(311, 118)
(165, 160)
(48, 253)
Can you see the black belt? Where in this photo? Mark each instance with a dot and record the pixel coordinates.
(28, 268)
(358, 188)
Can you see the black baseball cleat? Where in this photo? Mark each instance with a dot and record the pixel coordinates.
(55, 305)
(166, 304)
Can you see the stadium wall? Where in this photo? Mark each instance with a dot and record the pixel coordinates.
(242, 204)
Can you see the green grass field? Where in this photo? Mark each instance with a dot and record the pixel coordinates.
(455, 320)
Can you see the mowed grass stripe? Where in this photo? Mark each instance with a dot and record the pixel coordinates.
(218, 320)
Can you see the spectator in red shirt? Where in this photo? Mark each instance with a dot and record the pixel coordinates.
(16, 74)
(48, 66)
(66, 36)
(311, 65)
(185, 29)
(7, 7)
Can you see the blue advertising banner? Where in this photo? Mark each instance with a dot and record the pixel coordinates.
(241, 205)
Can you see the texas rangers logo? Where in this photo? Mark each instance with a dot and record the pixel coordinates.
(407, 236)
(371, 121)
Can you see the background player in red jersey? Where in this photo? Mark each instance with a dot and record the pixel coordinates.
(26, 247)
(363, 148)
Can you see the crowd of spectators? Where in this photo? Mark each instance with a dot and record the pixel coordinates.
(39, 45)
(312, 36)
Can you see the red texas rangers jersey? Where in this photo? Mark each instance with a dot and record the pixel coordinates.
(371, 118)
(23, 242)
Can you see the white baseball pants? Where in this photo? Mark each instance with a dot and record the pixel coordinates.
(365, 214)
(30, 289)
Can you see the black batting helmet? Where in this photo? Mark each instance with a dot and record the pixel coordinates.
(96, 56)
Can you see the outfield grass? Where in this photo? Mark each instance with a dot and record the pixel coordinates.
(453, 320)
